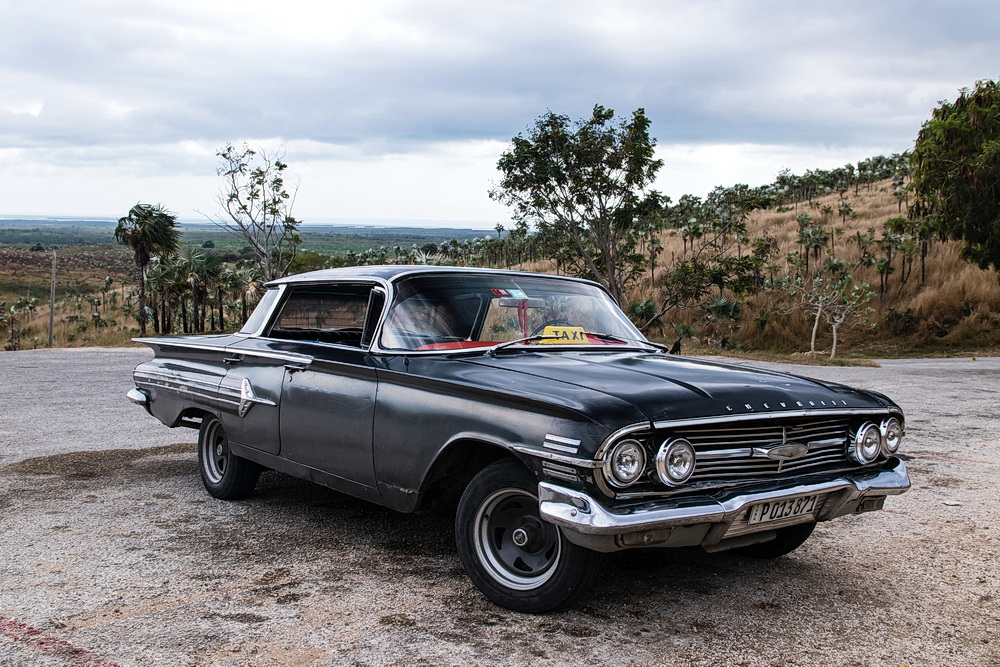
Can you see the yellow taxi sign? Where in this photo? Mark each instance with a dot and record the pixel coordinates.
(564, 336)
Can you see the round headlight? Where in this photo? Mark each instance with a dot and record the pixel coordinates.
(675, 462)
(892, 435)
(867, 443)
(626, 463)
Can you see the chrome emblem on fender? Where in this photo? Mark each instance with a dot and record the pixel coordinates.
(248, 398)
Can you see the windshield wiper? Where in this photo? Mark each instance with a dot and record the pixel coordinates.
(491, 352)
(627, 341)
(527, 339)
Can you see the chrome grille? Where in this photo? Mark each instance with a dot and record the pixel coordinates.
(740, 450)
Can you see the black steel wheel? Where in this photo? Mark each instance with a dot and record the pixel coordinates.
(788, 540)
(224, 474)
(514, 557)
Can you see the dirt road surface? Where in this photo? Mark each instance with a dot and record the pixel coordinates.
(111, 553)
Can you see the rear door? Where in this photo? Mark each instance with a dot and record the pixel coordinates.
(327, 405)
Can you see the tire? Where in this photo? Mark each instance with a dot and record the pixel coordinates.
(514, 557)
(788, 540)
(225, 475)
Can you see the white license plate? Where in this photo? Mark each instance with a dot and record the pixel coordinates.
(782, 509)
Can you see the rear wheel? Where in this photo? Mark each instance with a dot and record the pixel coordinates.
(224, 474)
(514, 557)
(788, 540)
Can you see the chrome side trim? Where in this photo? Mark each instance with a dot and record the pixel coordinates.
(169, 342)
(229, 393)
(248, 352)
(184, 385)
(561, 444)
(268, 354)
(558, 458)
(565, 473)
(576, 511)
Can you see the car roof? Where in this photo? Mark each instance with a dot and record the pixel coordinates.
(390, 272)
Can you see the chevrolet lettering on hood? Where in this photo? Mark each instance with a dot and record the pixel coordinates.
(562, 432)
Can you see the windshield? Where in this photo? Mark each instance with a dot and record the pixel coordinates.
(448, 312)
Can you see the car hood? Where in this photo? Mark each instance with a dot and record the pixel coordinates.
(668, 388)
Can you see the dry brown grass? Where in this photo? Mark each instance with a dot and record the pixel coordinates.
(75, 326)
(956, 308)
(80, 269)
(81, 272)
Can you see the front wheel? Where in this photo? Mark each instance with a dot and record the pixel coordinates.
(225, 475)
(514, 557)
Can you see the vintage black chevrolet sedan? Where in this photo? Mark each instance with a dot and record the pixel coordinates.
(533, 401)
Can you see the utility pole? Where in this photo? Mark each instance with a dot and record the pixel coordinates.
(52, 298)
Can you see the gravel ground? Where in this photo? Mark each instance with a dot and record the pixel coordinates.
(111, 553)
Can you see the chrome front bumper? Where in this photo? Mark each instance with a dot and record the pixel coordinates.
(706, 519)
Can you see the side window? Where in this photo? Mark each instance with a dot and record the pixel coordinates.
(260, 313)
(326, 314)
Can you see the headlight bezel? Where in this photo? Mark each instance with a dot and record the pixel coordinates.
(666, 461)
(886, 428)
(611, 473)
(862, 449)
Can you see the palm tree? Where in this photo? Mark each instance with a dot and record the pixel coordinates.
(149, 230)
(201, 270)
(156, 278)
(248, 283)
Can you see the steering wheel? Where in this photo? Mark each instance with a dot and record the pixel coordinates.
(551, 323)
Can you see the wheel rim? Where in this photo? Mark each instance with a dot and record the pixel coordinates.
(214, 452)
(515, 546)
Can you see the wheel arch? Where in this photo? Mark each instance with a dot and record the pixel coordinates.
(454, 468)
(192, 417)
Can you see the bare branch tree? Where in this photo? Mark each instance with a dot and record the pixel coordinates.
(257, 207)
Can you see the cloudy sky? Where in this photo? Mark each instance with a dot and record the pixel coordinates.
(396, 110)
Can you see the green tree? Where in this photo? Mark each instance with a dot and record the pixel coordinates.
(956, 172)
(148, 230)
(584, 186)
(257, 207)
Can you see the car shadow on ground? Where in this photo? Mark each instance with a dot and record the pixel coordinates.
(290, 523)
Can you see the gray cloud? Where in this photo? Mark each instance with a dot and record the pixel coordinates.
(391, 77)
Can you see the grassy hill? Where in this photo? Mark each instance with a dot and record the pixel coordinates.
(940, 305)
(947, 305)
(933, 303)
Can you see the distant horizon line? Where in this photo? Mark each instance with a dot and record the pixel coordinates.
(478, 225)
